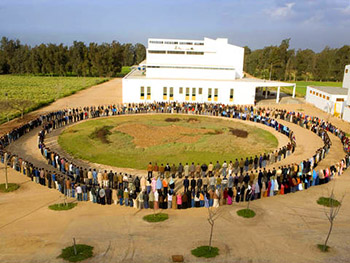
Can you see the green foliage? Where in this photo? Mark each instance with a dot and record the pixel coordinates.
(246, 213)
(159, 217)
(92, 60)
(205, 252)
(11, 187)
(83, 252)
(203, 147)
(327, 201)
(282, 63)
(323, 248)
(62, 206)
(41, 91)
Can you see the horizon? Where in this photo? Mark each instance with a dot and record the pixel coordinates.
(310, 24)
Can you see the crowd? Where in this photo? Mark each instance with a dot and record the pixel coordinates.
(203, 185)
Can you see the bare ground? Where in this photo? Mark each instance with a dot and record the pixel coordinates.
(286, 228)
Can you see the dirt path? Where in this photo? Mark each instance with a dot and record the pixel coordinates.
(286, 228)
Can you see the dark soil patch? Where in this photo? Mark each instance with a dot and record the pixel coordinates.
(193, 120)
(101, 134)
(239, 133)
(216, 132)
(172, 119)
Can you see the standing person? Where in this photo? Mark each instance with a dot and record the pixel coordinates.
(180, 170)
(170, 200)
(224, 169)
(102, 195)
(108, 192)
(156, 200)
(186, 184)
(210, 169)
(173, 171)
(192, 169)
(149, 170)
(79, 193)
(179, 200)
(126, 197)
(186, 170)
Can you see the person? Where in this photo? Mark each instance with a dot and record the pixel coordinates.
(170, 200)
(186, 184)
(149, 170)
(179, 200)
(108, 192)
(216, 198)
(156, 200)
(102, 195)
(186, 170)
(79, 193)
(126, 197)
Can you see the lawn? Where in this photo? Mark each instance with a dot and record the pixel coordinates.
(153, 218)
(38, 91)
(301, 87)
(133, 141)
(11, 187)
(62, 206)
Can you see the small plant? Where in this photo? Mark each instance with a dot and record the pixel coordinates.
(11, 187)
(327, 201)
(246, 213)
(323, 248)
(159, 217)
(205, 251)
(82, 252)
(62, 206)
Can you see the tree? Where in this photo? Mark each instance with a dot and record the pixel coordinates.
(19, 105)
(140, 53)
(213, 214)
(334, 207)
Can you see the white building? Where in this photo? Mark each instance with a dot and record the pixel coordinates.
(194, 71)
(346, 84)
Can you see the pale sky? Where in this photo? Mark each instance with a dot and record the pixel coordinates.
(255, 23)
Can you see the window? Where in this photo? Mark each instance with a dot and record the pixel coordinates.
(200, 91)
(194, 53)
(148, 93)
(199, 44)
(327, 97)
(156, 51)
(170, 42)
(313, 92)
(142, 93)
(231, 95)
(176, 52)
(171, 93)
(320, 95)
(339, 99)
(347, 70)
(193, 94)
(316, 93)
(186, 43)
(209, 94)
(324, 96)
(216, 94)
(165, 95)
(310, 92)
(156, 42)
(181, 90)
(187, 93)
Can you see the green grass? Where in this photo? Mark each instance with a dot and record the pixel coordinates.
(327, 201)
(40, 91)
(300, 90)
(83, 252)
(62, 207)
(246, 213)
(159, 217)
(203, 251)
(202, 143)
(11, 187)
(125, 70)
(323, 248)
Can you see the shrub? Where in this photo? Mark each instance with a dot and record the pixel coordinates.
(323, 248)
(62, 206)
(11, 187)
(327, 201)
(159, 217)
(83, 252)
(246, 213)
(205, 251)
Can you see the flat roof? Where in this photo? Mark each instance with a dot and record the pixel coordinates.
(331, 90)
(138, 74)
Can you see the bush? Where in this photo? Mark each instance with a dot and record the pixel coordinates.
(203, 251)
(246, 213)
(11, 187)
(83, 252)
(327, 201)
(323, 248)
(159, 217)
(62, 206)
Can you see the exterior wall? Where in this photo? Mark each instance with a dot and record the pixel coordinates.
(330, 106)
(346, 114)
(216, 53)
(346, 82)
(243, 92)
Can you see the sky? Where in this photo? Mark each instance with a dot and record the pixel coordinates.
(310, 24)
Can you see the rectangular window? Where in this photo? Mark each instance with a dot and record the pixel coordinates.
(327, 98)
(156, 42)
(142, 93)
(187, 93)
(176, 52)
(148, 93)
(310, 92)
(186, 43)
(165, 95)
(156, 51)
(346, 71)
(193, 94)
(170, 43)
(313, 92)
(339, 99)
(316, 93)
(199, 43)
(200, 91)
(231, 95)
(324, 96)
(194, 53)
(171, 93)
(209, 94)
(216, 94)
(320, 95)
(181, 90)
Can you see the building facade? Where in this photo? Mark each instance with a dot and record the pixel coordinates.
(346, 84)
(192, 71)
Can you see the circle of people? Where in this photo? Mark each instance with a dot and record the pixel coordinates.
(203, 185)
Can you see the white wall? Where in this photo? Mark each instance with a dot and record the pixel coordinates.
(324, 104)
(244, 92)
(346, 114)
(346, 81)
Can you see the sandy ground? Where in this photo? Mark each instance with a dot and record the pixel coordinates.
(286, 228)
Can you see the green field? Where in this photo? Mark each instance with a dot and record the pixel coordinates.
(301, 87)
(133, 141)
(37, 91)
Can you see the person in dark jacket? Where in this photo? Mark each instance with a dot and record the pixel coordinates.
(186, 184)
